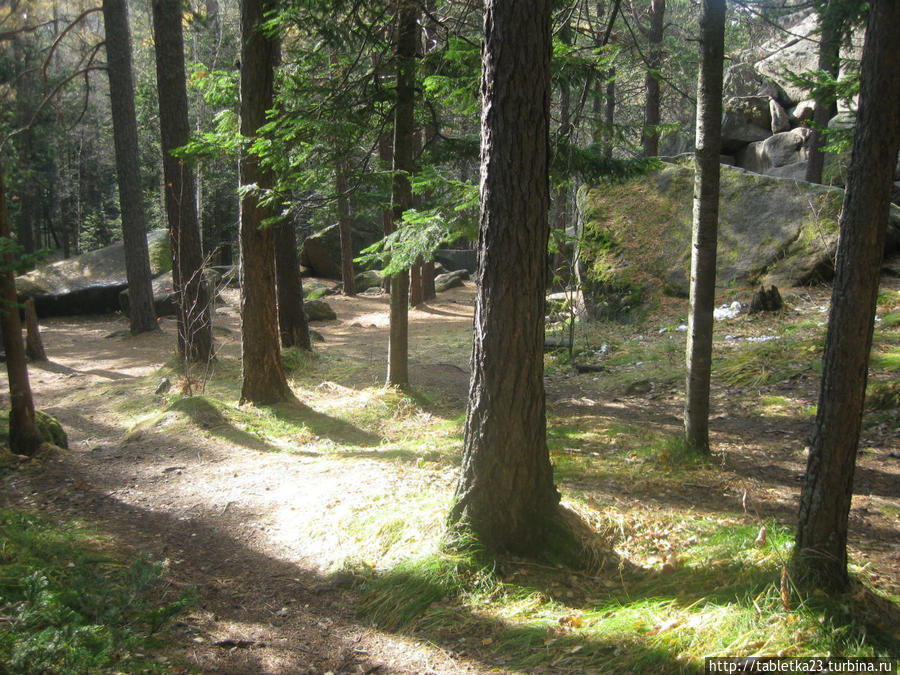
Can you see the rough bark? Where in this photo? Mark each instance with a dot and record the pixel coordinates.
(650, 132)
(343, 213)
(262, 376)
(24, 438)
(826, 106)
(401, 193)
(506, 497)
(705, 224)
(131, 201)
(292, 322)
(194, 326)
(820, 553)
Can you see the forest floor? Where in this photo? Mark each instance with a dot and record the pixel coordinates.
(273, 514)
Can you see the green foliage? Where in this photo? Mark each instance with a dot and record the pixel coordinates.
(69, 608)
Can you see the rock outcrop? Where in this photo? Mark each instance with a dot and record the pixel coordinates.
(89, 283)
(771, 231)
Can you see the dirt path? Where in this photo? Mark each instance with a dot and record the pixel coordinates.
(226, 511)
(223, 513)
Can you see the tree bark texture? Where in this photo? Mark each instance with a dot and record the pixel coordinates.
(826, 106)
(401, 193)
(292, 322)
(194, 326)
(24, 438)
(262, 376)
(343, 213)
(705, 224)
(506, 496)
(650, 133)
(131, 200)
(820, 553)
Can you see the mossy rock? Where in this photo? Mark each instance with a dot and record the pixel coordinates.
(369, 279)
(48, 426)
(771, 230)
(319, 310)
(51, 429)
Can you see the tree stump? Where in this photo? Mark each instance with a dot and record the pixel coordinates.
(34, 346)
(766, 300)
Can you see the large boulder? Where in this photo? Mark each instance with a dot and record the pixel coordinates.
(444, 282)
(89, 283)
(319, 259)
(778, 150)
(165, 300)
(453, 259)
(746, 119)
(796, 50)
(321, 249)
(771, 230)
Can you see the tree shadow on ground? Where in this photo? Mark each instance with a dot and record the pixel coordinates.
(256, 611)
(325, 426)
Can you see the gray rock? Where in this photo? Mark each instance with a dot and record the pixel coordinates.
(781, 149)
(746, 120)
(319, 310)
(780, 119)
(444, 282)
(795, 171)
(457, 259)
(89, 283)
(843, 120)
(771, 230)
(319, 260)
(369, 279)
(803, 111)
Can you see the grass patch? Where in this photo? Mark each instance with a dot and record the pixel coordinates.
(66, 606)
(716, 594)
(763, 363)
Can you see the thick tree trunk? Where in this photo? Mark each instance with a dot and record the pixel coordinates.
(24, 438)
(343, 213)
(292, 321)
(506, 497)
(194, 326)
(826, 106)
(404, 130)
(650, 133)
(131, 200)
(262, 376)
(820, 553)
(705, 225)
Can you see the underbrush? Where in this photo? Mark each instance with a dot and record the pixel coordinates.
(66, 606)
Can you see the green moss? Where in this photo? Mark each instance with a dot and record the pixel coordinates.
(160, 252)
(51, 429)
